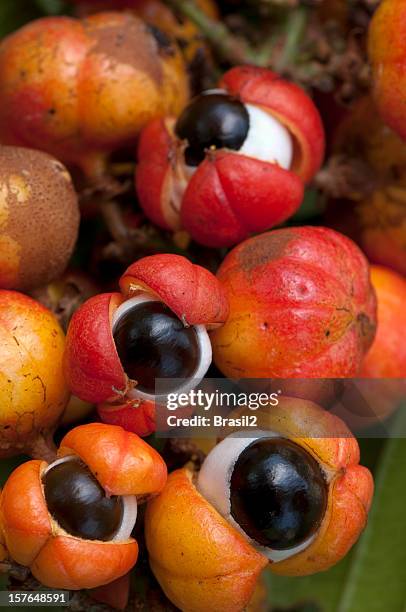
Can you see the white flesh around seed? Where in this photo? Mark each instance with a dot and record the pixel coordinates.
(204, 347)
(214, 482)
(130, 505)
(267, 140)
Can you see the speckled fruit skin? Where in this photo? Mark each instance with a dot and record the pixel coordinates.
(33, 391)
(91, 363)
(123, 464)
(387, 355)
(39, 218)
(301, 306)
(203, 563)
(231, 195)
(80, 89)
(387, 54)
(157, 13)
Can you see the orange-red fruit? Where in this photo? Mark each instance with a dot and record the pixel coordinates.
(123, 465)
(39, 218)
(301, 305)
(33, 391)
(80, 89)
(387, 53)
(387, 356)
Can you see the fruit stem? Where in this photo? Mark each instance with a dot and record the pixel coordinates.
(295, 28)
(43, 447)
(113, 218)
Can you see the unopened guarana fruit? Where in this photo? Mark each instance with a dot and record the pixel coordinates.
(33, 391)
(301, 306)
(39, 218)
(81, 89)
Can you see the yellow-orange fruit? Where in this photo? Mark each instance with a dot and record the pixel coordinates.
(387, 53)
(33, 392)
(199, 559)
(387, 356)
(381, 219)
(203, 562)
(39, 218)
(80, 89)
(362, 134)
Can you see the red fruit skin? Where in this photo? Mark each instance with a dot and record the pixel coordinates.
(288, 103)
(230, 195)
(133, 415)
(387, 355)
(301, 306)
(387, 54)
(92, 366)
(137, 416)
(216, 209)
(153, 174)
(192, 292)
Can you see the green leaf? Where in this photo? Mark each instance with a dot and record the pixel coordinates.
(376, 580)
(322, 590)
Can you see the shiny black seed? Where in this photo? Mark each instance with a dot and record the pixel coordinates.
(278, 493)
(212, 120)
(153, 343)
(79, 504)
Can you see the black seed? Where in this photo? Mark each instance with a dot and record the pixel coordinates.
(79, 504)
(153, 343)
(212, 120)
(278, 493)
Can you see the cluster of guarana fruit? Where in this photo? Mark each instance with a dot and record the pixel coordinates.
(292, 303)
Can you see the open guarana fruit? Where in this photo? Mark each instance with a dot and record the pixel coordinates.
(234, 162)
(70, 521)
(153, 343)
(118, 345)
(290, 493)
(269, 488)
